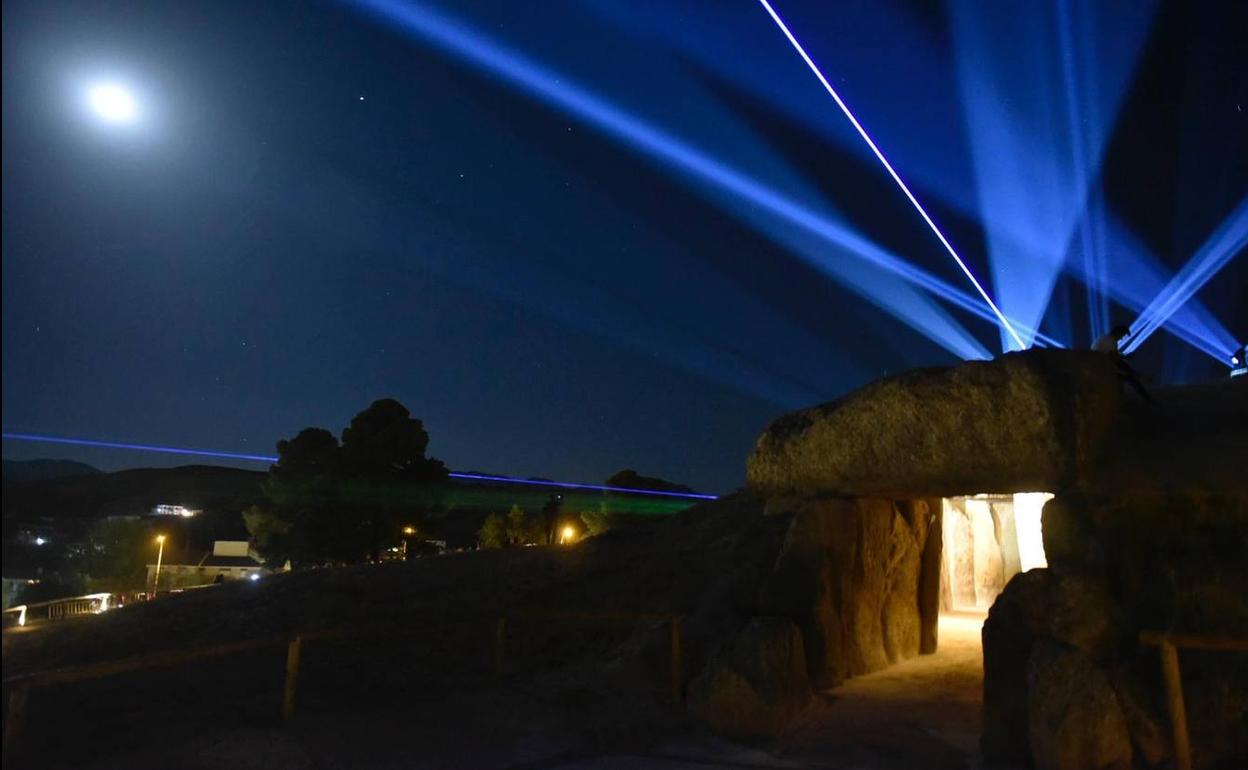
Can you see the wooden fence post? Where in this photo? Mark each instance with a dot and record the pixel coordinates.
(1174, 704)
(293, 650)
(500, 644)
(677, 663)
(16, 716)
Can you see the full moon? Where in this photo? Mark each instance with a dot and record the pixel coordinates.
(113, 103)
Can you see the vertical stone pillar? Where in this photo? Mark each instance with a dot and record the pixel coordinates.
(929, 576)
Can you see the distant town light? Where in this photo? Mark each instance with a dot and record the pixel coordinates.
(254, 576)
(164, 509)
(40, 541)
(409, 530)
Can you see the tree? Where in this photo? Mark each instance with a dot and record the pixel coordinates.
(301, 518)
(523, 529)
(271, 534)
(385, 440)
(117, 554)
(47, 589)
(597, 522)
(383, 457)
(327, 501)
(313, 452)
(493, 532)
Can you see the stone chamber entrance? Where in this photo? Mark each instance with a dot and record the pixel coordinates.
(987, 540)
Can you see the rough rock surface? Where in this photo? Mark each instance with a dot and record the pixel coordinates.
(1036, 606)
(758, 684)
(1119, 564)
(1074, 719)
(850, 575)
(1033, 421)
(1176, 560)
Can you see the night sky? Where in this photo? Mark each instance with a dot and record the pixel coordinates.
(317, 207)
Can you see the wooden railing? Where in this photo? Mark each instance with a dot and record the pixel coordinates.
(20, 686)
(1169, 646)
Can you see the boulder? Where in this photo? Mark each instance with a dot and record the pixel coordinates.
(1150, 737)
(1074, 719)
(1038, 605)
(851, 575)
(758, 684)
(1032, 421)
(1174, 560)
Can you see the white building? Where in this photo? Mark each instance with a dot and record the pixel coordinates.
(228, 560)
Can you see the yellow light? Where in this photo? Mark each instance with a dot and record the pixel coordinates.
(569, 534)
(1028, 507)
(409, 530)
(160, 538)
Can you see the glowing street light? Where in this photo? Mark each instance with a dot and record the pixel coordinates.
(160, 540)
(408, 531)
(568, 535)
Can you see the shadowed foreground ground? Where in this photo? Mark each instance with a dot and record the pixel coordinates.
(920, 713)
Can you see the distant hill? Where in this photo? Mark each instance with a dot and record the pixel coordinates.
(131, 492)
(631, 479)
(74, 502)
(43, 470)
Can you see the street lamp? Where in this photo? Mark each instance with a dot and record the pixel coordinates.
(160, 540)
(408, 531)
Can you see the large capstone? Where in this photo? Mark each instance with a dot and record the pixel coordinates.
(1033, 421)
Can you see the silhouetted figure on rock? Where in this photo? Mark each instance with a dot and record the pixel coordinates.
(1109, 343)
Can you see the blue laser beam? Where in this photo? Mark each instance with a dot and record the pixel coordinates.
(1227, 241)
(273, 458)
(1097, 302)
(1140, 277)
(1037, 159)
(1005, 324)
(138, 447)
(723, 180)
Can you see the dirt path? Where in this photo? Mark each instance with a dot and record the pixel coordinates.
(924, 712)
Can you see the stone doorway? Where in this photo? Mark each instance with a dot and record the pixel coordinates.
(988, 539)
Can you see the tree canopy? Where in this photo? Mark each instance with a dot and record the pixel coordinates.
(327, 500)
